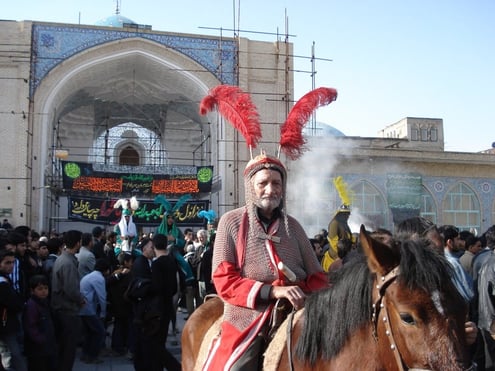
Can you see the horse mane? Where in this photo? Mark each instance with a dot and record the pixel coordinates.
(332, 315)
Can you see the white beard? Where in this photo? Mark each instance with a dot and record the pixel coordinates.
(268, 204)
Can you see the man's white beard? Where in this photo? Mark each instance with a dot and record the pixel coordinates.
(268, 203)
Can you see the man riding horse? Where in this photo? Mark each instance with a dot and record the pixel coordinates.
(261, 254)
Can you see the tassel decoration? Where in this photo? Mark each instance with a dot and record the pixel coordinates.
(291, 140)
(181, 201)
(133, 203)
(209, 215)
(122, 202)
(342, 190)
(161, 199)
(236, 107)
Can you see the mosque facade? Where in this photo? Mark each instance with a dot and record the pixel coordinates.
(94, 113)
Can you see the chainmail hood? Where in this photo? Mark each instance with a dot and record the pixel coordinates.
(258, 163)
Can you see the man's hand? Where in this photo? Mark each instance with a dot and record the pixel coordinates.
(294, 294)
(471, 332)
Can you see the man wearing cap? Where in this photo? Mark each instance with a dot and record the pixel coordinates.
(261, 254)
(338, 229)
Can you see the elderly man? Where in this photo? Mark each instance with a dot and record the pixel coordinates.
(261, 254)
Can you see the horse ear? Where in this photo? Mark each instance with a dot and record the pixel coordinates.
(381, 258)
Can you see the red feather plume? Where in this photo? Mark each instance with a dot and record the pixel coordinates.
(291, 138)
(237, 108)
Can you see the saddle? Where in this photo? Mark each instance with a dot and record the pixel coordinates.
(276, 339)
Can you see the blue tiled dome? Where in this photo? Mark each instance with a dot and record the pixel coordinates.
(322, 130)
(115, 20)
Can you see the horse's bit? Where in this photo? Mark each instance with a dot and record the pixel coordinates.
(381, 287)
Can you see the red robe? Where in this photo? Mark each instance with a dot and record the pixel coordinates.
(243, 262)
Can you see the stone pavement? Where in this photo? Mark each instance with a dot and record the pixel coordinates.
(122, 363)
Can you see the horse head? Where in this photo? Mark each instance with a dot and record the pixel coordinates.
(418, 317)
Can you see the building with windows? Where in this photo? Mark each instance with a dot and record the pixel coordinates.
(94, 113)
(402, 172)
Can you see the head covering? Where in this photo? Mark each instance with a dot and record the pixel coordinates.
(344, 195)
(127, 227)
(261, 162)
(237, 107)
(170, 210)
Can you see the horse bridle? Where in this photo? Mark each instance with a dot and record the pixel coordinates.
(378, 306)
(381, 286)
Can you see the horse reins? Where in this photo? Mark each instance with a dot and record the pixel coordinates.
(290, 321)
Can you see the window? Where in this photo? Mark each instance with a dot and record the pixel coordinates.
(461, 208)
(414, 133)
(370, 204)
(424, 134)
(129, 156)
(109, 145)
(428, 208)
(434, 134)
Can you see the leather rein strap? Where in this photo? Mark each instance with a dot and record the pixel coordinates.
(381, 286)
(290, 320)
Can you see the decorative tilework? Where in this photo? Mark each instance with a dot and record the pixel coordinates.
(438, 186)
(486, 187)
(483, 188)
(54, 44)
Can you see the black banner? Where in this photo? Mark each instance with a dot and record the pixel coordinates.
(81, 177)
(101, 211)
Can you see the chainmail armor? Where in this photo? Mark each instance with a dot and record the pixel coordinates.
(294, 250)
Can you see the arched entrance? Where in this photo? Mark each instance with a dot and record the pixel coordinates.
(130, 81)
(129, 157)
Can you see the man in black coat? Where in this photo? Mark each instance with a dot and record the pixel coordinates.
(164, 287)
(11, 304)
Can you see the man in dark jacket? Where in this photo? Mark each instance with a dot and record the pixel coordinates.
(67, 300)
(117, 284)
(164, 287)
(141, 270)
(11, 304)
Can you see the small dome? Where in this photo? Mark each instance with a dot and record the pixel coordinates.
(115, 20)
(322, 130)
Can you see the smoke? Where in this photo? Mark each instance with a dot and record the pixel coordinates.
(357, 219)
(311, 194)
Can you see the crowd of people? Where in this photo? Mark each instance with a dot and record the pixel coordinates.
(61, 292)
(68, 289)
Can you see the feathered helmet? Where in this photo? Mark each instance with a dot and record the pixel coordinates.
(129, 206)
(345, 197)
(237, 107)
(170, 210)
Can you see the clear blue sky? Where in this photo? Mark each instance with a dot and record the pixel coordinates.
(390, 58)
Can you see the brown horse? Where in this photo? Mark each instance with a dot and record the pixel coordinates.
(392, 308)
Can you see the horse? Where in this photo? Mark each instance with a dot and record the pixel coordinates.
(390, 308)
